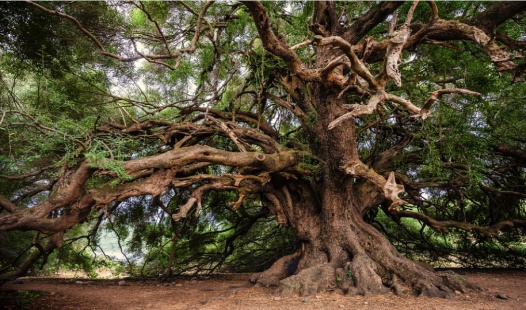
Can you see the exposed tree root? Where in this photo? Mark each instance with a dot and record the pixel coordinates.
(281, 269)
(361, 276)
(365, 274)
(320, 278)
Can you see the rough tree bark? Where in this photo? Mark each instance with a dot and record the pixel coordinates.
(340, 250)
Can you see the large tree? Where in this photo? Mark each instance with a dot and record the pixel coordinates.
(323, 113)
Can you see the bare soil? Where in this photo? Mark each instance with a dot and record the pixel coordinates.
(504, 289)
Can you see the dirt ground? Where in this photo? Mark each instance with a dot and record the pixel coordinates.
(505, 289)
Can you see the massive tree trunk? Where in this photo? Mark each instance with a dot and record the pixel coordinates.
(340, 250)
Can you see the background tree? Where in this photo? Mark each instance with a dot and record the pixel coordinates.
(335, 117)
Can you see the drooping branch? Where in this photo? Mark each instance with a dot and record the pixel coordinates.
(54, 241)
(35, 191)
(276, 208)
(386, 159)
(35, 173)
(289, 106)
(44, 128)
(443, 226)
(150, 175)
(293, 87)
(502, 192)
(512, 44)
(226, 182)
(142, 7)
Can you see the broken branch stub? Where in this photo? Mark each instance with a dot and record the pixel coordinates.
(394, 53)
(184, 209)
(392, 190)
(360, 110)
(389, 188)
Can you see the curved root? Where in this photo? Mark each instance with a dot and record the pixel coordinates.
(281, 269)
(365, 274)
(361, 276)
(320, 278)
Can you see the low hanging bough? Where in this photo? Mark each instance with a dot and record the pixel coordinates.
(320, 132)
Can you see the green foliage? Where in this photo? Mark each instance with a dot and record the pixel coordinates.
(455, 248)
(455, 147)
(12, 245)
(60, 92)
(22, 298)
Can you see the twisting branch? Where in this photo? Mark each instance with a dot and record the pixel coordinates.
(149, 57)
(229, 133)
(436, 94)
(360, 109)
(395, 47)
(406, 104)
(421, 34)
(302, 44)
(277, 47)
(246, 117)
(356, 64)
(142, 7)
(453, 30)
(409, 17)
(185, 209)
(425, 110)
(155, 175)
(338, 61)
(478, 29)
(219, 183)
